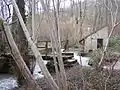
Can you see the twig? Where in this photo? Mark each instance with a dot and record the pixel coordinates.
(13, 22)
(114, 25)
(110, 74)
(105, 49)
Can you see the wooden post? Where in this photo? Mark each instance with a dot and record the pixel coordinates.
(19, 60)
(35, 50)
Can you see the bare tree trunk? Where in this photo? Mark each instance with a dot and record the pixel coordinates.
(20, 40)
(45, 4)
(114, 25)
(2, 39)
(35, 50)
(19, 60)
(29, 7)
(58, 42)
(33, 20)
(95, 17)
(82, 17)
(106, 16)
(55, 60)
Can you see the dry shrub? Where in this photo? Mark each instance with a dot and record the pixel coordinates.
(109, 57)
(95, 80)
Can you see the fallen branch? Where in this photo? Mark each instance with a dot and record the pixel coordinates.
(19, 60)
(90, 34)
(35, 50)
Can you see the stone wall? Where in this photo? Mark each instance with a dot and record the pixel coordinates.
(91, 42)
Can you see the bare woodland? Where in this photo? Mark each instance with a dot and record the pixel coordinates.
(25, 25)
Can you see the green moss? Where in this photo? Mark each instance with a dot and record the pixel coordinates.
(114, 43)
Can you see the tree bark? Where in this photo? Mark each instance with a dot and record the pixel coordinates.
(21, 41)
(2, 39)
(35, 50)
(19, 60)
(33, 20)
(58, 49)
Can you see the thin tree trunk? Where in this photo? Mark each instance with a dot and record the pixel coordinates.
(35, 50)
(107, 15)
(33, 20)
(55, 60)
(58, 41)
(21, 40)
(19, 60)
(114, 25)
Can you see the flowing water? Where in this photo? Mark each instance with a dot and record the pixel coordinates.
(81, 60)
(8, 82)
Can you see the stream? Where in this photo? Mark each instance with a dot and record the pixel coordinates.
(8, 82)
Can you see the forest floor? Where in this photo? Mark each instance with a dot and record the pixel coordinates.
(95, 80)
(73, 77)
